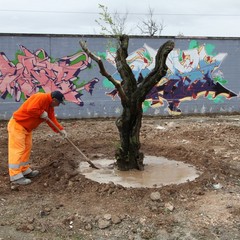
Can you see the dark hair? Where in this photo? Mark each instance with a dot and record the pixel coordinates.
(59, 96)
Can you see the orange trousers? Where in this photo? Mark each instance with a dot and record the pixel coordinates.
(19, 149)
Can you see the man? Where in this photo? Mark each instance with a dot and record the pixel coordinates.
(35, 110)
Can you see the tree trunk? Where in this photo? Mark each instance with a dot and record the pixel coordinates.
(128, 154)
(132, 94)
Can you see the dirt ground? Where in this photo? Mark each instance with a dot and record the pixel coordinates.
(63, 204)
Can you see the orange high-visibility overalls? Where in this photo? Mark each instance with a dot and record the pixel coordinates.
(19, 148)
(20, 128)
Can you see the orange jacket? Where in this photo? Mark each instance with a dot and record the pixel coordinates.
(28, 115)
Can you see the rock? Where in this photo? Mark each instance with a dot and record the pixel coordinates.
(142, 221)
(47, 209)
(70, 183)
(217, 186)
(106, 188)
(14, 187)
(111, 191)
(169, 206)
(116, 219)
(43, 213)
(88, 227)
(107, 216)
(30, 219)
(59, 206)
(155, 196)
(30, 227)
(102, 223)
(111, 184)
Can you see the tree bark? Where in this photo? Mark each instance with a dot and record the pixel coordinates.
(132, 95)
(128, 154)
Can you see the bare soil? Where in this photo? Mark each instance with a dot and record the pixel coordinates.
(63, 204)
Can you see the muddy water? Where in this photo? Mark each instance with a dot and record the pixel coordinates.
(158, 172)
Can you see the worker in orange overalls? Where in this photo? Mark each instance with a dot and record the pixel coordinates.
(35, 110)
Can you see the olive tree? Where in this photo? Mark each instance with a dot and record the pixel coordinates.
(132, 94)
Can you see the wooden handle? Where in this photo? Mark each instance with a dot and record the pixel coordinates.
(86, 158)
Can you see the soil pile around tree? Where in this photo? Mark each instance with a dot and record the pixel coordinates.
(63, 204)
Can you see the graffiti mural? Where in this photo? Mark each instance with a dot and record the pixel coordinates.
(192, 73)
(32, 72)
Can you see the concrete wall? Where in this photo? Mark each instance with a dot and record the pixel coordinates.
(203, 74)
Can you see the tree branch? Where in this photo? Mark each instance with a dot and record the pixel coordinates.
(129, 82)
(158, 72)
(103, 71)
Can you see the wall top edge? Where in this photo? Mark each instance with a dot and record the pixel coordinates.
(107, 36)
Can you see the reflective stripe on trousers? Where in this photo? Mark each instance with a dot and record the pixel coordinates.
(19, 149)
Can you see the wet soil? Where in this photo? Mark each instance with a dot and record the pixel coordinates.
(63, 204)
(158, 172)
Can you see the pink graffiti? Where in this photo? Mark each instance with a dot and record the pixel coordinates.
(35, 71)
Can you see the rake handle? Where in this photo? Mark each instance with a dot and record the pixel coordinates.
(59, 131)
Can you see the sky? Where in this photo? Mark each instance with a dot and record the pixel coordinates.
(208, 18)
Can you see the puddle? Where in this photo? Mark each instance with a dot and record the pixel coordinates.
(158, 171)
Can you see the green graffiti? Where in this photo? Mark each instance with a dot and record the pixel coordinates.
(147, 56)
(218, 99)
(40, 90)
(79, 85)
(112, 50)
(220, 80)
(193, 44)
(180, 58)
(52, 60)
(15, 61)
(146, 106)
(209, 49)
(80, 58)
(107, 83)
(102, 55)
(41, 55)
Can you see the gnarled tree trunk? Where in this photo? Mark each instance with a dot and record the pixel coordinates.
(128, 154)
(132, 94)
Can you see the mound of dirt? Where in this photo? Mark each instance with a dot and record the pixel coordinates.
(63, 204)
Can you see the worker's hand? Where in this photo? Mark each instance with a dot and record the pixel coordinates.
(63, 133)
(44, 115)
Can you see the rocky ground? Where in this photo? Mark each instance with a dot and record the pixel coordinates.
(63, 204)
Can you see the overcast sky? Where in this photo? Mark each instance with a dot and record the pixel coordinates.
(211, 18)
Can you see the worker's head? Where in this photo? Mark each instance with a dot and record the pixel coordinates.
(57, 98)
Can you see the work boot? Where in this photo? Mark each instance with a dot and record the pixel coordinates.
(22, 181)
(32, 174)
